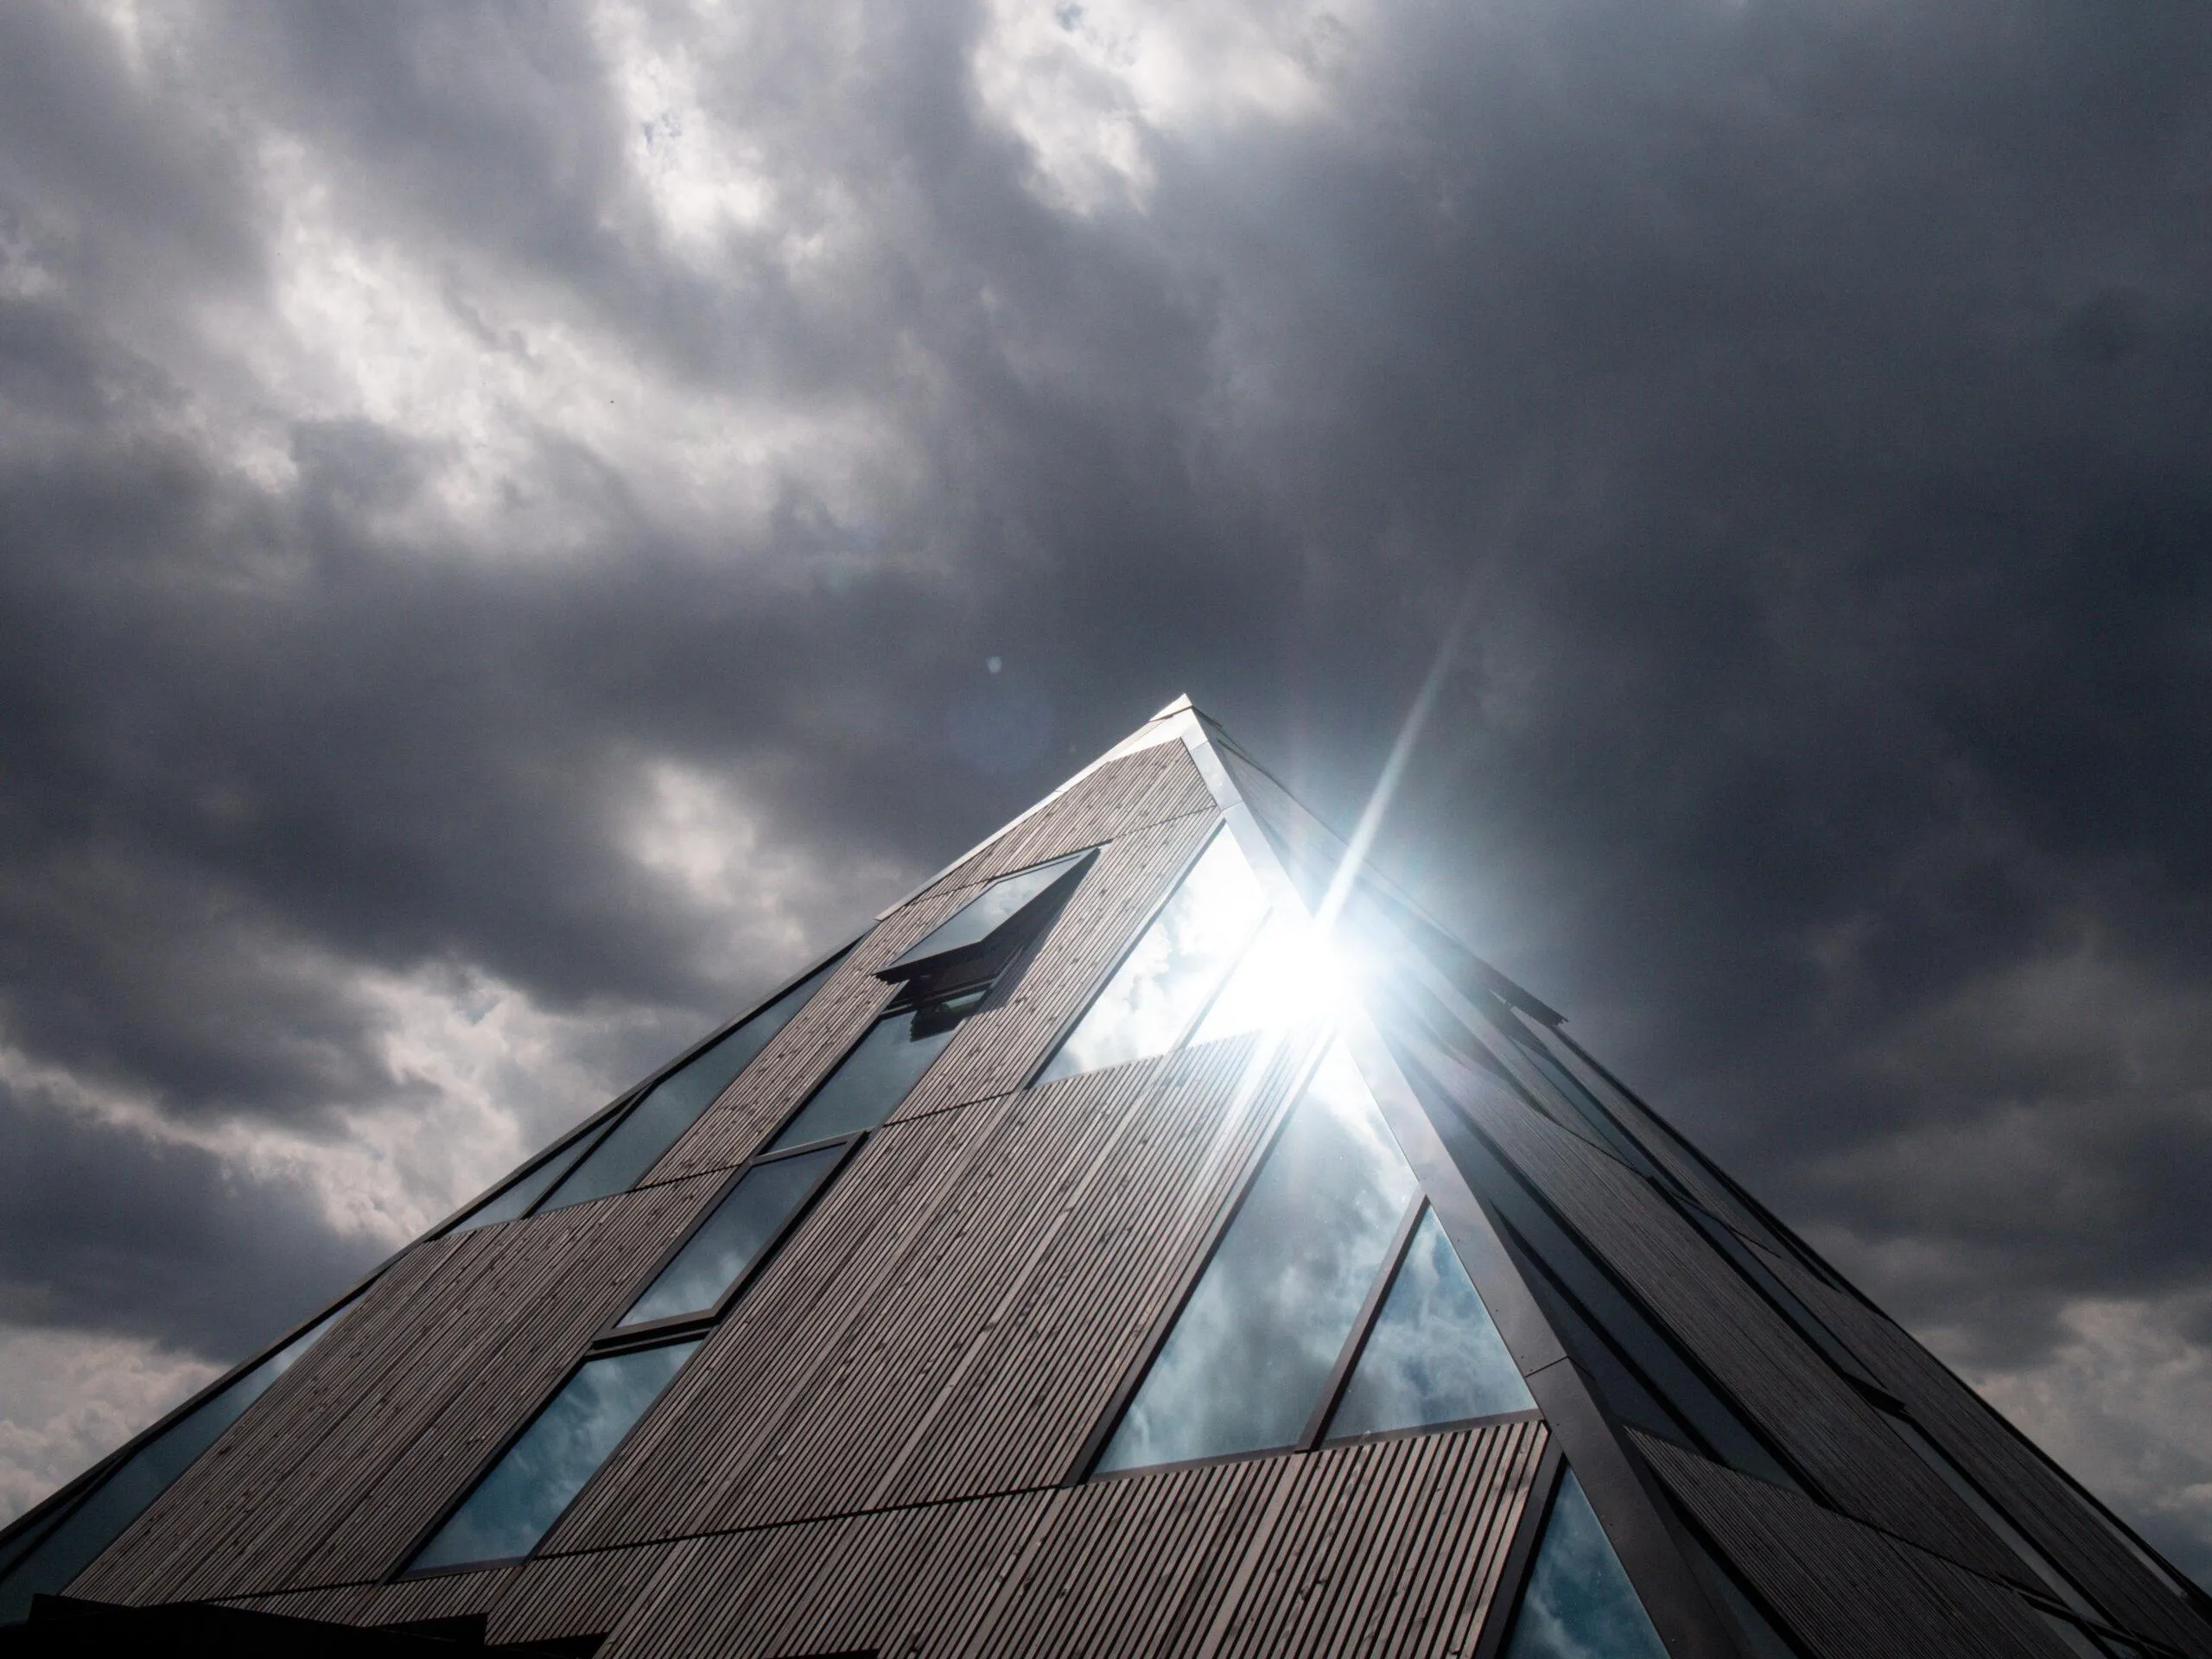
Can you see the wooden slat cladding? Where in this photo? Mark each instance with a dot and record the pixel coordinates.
(827, 1424)
(556, 1596)
(400, 1320)
(1696, 1178)
(529, 1349)
(487, 1337)
(1045, 1163)
(448, 1595)
(337, 1603)
(1391, 1547)
(1049, 1331)
(1000, 1045)
(892, 1583)
(1773, 1373)
(1145, 788)
(1846, 1590)
(2023, 1485)
(827, 1278)
(1121, 800)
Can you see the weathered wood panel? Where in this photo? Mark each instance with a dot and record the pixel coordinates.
(2038, 1500)
(530, 1349)
(448, 1595)
(337, 1603)
(557, 1596)
(341, 1489)
(1391, 1547)
(399, 1324)
(1775, 1375)
(1061, 1295)
(821, 1419)
(1846, 1590)
(893, 1583)
(1145, 788)
(1000, 1045)
(802, 1053)
(790, 1323)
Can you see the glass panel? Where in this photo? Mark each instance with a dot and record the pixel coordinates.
(1163, 982)
(98, 1520)
(743, 1225)
(1253, 1348)
(981, 916)
(1579, 1603)
(870, 1081)
(1432, 1354)
(515, 1504)
(520, 1198)
(637, 1143)
(1282, 980)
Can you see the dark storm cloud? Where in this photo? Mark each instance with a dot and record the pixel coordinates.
(426, 505)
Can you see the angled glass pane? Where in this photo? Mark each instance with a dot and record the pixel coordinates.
(732, 1239)
(1432, 1354)
(1165, 979)
(69, 1547)
(1579, 1603)
(977, 920)
(1283, 980)
(639, 1141)
(1245, 1364)
(520, 1197)
(516, 1503)
(870, 1081)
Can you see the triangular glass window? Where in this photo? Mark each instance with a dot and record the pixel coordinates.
(1579, 1602)
(735, 1238)
(520, 1498)
(977, 940)
(1432, 1354)
(1252, 1352)
(870, 1081)
(1173, 968)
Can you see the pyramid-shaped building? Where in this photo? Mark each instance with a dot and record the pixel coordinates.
(1152, 1237)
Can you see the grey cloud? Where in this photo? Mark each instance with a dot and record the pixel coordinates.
(1808, 401)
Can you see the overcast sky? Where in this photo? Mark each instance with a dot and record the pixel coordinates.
(518, 525)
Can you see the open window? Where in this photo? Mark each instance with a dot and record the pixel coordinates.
(1160, 991)
(979, 941)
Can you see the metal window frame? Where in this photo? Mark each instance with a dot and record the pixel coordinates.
(615, 1335)
(402, 1575)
